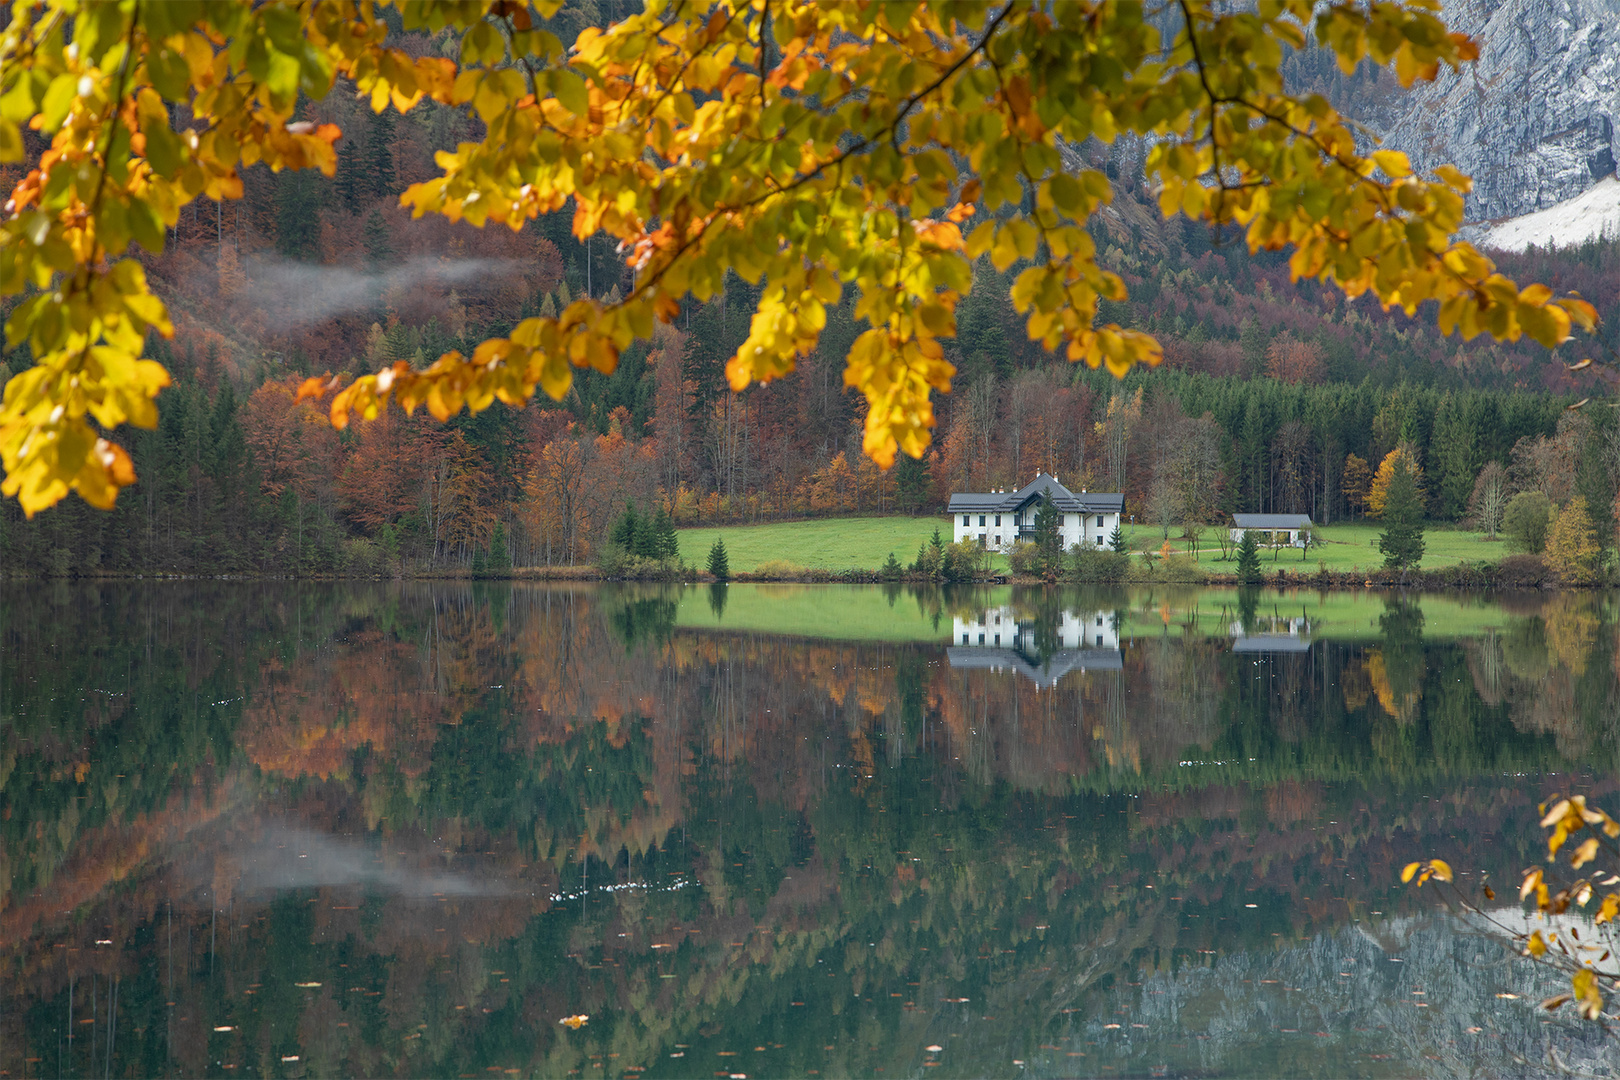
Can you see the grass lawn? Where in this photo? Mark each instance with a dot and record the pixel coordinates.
(865, 543)
(833, 544)
(1344, 547)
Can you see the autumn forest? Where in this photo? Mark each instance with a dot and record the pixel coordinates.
(1273, 396)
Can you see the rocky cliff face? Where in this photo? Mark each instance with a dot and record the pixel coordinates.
(1534, 122)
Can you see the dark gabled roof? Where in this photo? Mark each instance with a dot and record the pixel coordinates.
(1272, 521)
(1065, 500)
(1045, 674)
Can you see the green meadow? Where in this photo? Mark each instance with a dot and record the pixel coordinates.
(828, 544)
(923, 613)
(865, 543)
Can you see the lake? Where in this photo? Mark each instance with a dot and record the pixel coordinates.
(407, 829)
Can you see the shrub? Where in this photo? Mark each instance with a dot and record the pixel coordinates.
(1526, 519)
(1095, 564)
(778, 570)
(1521, 571)
(965, 560)
(1025, 557)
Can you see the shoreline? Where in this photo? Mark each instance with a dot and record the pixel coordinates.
(1522, 574)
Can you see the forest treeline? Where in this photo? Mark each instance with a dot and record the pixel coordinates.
(1273, 396)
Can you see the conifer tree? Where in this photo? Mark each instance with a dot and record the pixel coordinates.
(379, 249)
(666, 545)
(1116, 540)
(1401, 542)
(499, 560)
(379, 156)
(1048, 537)
(1248, 559)
(719, 565)
(348, 181)
(626, 529)
(892, 570)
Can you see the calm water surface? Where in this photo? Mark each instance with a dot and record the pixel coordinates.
(404, 830)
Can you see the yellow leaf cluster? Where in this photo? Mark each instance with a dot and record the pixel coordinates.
(808, 146)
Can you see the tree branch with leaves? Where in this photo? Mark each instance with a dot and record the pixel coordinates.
(854, 157)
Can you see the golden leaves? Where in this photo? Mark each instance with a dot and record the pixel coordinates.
(1435, 868)
(850, 162)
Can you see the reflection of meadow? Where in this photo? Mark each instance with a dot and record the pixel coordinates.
(856, 818)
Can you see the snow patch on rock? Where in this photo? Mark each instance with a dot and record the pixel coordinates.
(1592, 215)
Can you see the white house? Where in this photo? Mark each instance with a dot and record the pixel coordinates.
(1294, 525)
(997, 518)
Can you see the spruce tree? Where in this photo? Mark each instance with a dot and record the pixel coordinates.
(1048, 537)
(1248, 567)
(347, 183)
(892, 569)
(375, 239)
(379, 156)
(499, 561)
(666, 545)
(1401, 542)
(1116, 541)
(719, 565)
(626, 529)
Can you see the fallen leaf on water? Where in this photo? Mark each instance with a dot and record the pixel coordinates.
(574, 1023)
(1509, 997)
(1110, 1027)
(936, 1048)
(306, 986)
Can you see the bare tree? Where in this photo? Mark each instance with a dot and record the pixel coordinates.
(1489, 501)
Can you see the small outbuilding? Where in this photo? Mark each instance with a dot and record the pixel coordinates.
(1276, 530)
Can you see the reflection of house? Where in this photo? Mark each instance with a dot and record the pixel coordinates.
(999, 628)
(1273, 530)
(995, 640)
(996, 518)
(1279, 634)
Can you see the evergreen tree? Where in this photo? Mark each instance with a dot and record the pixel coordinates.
(1048, 537)
(719, 565)
(666, 545)
(348, 181)
(499, 560)
(892, 569)
(298, 206)
(375, 239)
(1116, 539)
(1401, 542)
(626, 529)
(1248, 559)
(379, 156)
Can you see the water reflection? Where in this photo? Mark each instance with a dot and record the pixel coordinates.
(299, 830)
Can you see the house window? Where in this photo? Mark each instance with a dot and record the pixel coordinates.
(965, 520)
(1099, 521)
(1099, 641)
(981, 539)
(981, 521)
(981, 639)
(998, 540)
(964, 639)
(1099, 620)
(1061, 519)
(998, 521)
(998, 639)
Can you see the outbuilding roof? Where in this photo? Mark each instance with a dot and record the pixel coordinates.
(1086, 502)
(1272, 521)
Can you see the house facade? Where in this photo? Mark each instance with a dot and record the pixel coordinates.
(1276, 530)
(995, 519)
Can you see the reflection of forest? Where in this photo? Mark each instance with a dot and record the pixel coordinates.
(467, 811)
